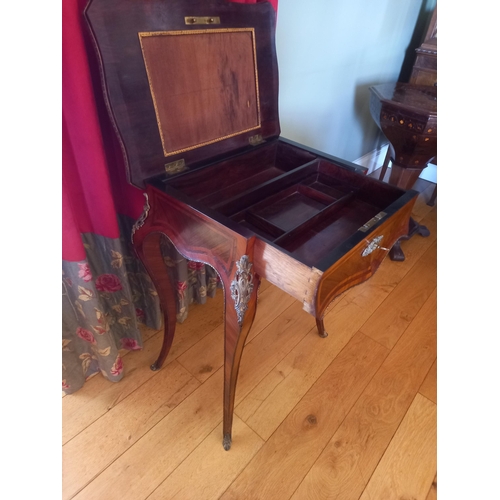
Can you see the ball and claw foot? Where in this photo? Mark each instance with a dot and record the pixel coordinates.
(226, 442)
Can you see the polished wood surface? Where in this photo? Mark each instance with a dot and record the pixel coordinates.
(151, 434)
(407, 116)
(115, 26)
(198, 98)
(419, 426)
(347, 260)
(269, 208)
(424, 71)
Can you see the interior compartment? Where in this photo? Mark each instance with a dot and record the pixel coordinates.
(290, 207)
(317, 213)
(312, 244)
(291, 210)
(241, 173)
(303, 204)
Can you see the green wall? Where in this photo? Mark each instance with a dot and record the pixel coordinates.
(329, 53)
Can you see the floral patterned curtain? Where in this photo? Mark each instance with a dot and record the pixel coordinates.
(106, 292)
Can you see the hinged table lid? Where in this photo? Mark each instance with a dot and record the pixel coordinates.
(186, 81)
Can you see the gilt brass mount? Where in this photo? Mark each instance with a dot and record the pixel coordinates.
(202, 20)
(254, 140)
(372, 222)
(175, 167)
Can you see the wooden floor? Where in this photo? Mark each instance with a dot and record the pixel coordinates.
(352, 416)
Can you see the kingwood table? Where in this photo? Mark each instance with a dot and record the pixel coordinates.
(192, 91)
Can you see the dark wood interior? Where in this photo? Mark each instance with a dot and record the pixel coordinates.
(290, 197)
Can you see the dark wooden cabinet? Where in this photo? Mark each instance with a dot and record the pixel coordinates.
(424, 70)
(192, 89)
(407, 115)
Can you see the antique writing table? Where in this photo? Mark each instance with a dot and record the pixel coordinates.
(192, 89)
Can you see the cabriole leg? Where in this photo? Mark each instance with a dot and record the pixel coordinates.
(152, 258)
(240, 297)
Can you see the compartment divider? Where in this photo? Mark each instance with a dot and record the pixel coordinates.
(315, 194)
(244, 185)
(270, 200)
(263, 224)
(243, 200)
(327, 212)
(330, 186)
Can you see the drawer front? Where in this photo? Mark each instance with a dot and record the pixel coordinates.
(363, 260)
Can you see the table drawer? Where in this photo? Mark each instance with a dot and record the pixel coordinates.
(363, 260)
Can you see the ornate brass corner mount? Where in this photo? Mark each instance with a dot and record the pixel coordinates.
(242, 287)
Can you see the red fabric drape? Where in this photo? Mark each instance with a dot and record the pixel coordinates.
(88, 205)
(94, 185)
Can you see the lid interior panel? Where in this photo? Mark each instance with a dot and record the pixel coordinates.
(204, 85)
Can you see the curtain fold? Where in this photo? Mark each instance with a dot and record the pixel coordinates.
(106, 292)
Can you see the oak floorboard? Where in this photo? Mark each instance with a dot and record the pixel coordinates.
(409, 464)
(207, 355)
(432, 495)
(209, 470)
(278, 467)
(271, 303)
(144, 408)
(429, 385)
(403, 303)
(273, 344)
(150, 460)
(146, 334)
(264, 285)
(188, 424)
(274, 397)
(201, 321)
(181, 455)
(349, 459)
(99, 395)
(277, 394)
(421, 209)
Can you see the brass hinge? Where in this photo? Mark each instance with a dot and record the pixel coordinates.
(255, 140)
(175, 167)
(202, 20)
(372, 222)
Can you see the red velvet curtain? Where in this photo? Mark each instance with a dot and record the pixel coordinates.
(90, 199)
(95, 194)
